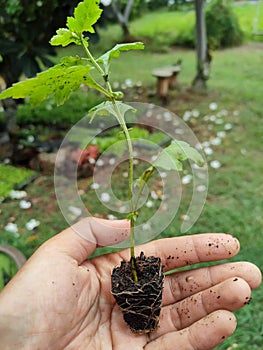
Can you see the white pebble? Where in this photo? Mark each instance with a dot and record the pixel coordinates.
(216, 141)
(146, 227)
(224, 113)
(105, 197)
(185, 217)
(112, 161)
(167, 116)
(128, 83)
(32, 224)
(187, 115)
(163, 175)
(213, 106)
(206, 144)
(123, 209)
(201, 188)
(219, 121)
(149, 114)
(198, 146)
(74, 210)
(221, 134)
(149, 204)
(228, 126)
(17, 194)
(24, 204)
(208, 151)
(100, 162)
(154, 195)
(187, 179)
(179, 131)
(195, 166)
(95, 186)
(92, 160)
(11, 227)
(30, 138)
(195, 113)
(215, 164)
(111, 217)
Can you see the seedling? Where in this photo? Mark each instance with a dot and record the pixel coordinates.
(137, 283)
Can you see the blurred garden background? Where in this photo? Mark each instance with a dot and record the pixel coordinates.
(226, 117)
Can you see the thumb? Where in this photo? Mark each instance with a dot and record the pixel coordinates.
(81, 239)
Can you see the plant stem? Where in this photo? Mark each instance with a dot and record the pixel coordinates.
(123, 125)
(97, 66)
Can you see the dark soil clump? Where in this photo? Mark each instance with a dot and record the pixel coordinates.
(139, 301)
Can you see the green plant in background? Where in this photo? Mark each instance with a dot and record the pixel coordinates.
(13, 178)
(223, 29)
(48, 113)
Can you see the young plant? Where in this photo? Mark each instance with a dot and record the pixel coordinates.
(137, 283)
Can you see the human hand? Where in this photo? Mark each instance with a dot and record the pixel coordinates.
(60, 300)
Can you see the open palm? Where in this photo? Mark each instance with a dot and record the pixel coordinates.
(61, 300)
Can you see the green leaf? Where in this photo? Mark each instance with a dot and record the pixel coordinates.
(86, 15)
(59, 81)
(107, 108)
(64, 37)
(172, 157)
(105, 59)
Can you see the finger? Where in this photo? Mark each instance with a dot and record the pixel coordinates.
(205, 334)
(187, 250)
(230, 295)
(81, 239)
(185, 283)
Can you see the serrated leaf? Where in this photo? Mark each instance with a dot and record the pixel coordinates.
(107, 108)
(64, 37)
(172, 157)
(59, 81)
(86, 15)
(105, 59)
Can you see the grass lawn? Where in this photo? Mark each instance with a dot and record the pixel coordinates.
(234, 203)
(13, 178)
(162, 28)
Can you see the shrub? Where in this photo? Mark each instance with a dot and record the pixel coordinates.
(186, 38)
(223, 29)
(47, 113)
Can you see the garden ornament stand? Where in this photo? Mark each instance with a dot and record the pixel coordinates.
(167, 78)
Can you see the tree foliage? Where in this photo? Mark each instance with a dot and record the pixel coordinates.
(26, 27)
